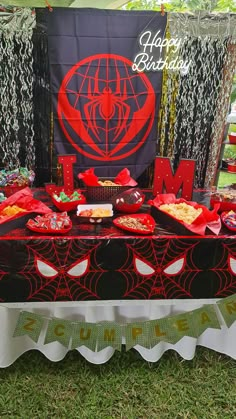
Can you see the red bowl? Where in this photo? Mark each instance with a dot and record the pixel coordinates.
(68, 206)
(231, 168)
(129, 201)
(223, 219)
(232, 138)
(224, 205)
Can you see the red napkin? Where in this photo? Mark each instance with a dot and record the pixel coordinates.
(123, 178)
(23, 199)
(207, 219)
(89, 178)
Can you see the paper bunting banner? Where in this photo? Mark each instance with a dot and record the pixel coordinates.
(109, 334)
(59, 330)
(29, 324)
(227, 308)
(159, 331)
(137, 334)
(204, 318)
(84, 334)
(97, 336)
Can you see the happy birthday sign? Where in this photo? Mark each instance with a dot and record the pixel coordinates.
(158, 53)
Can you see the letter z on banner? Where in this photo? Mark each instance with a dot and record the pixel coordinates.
(104, 111)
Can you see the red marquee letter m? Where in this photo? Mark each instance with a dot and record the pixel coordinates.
(165, 181)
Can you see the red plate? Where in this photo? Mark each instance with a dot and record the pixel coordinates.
(49, 231)
(145, 219)
(224, 215)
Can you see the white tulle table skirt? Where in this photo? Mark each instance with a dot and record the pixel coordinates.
(223, 341)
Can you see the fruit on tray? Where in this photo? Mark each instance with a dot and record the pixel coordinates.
(63, 197)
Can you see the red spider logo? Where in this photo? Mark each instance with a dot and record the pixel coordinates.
(108, 104)
(105, 110)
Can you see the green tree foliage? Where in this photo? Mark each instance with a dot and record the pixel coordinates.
(183, 5)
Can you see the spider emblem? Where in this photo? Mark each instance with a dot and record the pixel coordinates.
(108, 104)
(106, 111)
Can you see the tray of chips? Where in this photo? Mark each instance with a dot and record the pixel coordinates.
(184, 217)
(94, 213)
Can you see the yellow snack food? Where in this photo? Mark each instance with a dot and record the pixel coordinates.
(182, 211)
(107, 183)
(101, 212)
(11, 210)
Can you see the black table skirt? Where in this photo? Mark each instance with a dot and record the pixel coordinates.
(101, 262)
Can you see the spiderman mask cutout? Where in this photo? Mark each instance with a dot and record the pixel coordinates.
(105, 111)
(62, 270)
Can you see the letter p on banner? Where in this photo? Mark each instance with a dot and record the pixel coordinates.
(29, 324)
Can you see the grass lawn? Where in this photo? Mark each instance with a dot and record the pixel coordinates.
(127, 387)
(226, 178)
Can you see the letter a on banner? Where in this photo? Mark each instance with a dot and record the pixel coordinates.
(29, 324)
(165, 181)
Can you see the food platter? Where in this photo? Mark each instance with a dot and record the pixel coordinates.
(136, 223)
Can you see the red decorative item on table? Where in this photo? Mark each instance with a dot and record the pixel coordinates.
(68, 201)
(136, 223)
(225, 198)
(101, 190)
(229, 220)
(52, 223)
(195, 218)
(129, 201)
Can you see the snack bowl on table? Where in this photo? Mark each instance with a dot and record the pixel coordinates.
(136, 223)
(68, 205)
(94, 213)
(51, 223)
(104, 192)
(129, 201)
(225, 198)
(232, 138)
(229, 220)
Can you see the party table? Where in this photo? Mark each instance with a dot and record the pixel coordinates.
(100, 273)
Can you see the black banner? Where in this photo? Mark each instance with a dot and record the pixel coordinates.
(104, 111)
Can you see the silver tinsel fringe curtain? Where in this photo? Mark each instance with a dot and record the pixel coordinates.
(16, 93)
(202, 100)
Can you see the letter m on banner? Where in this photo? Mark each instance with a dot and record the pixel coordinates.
(165, 181)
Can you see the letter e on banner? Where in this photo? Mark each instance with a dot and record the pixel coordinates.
(165, 181)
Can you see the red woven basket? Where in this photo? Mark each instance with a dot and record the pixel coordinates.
(104, 193)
